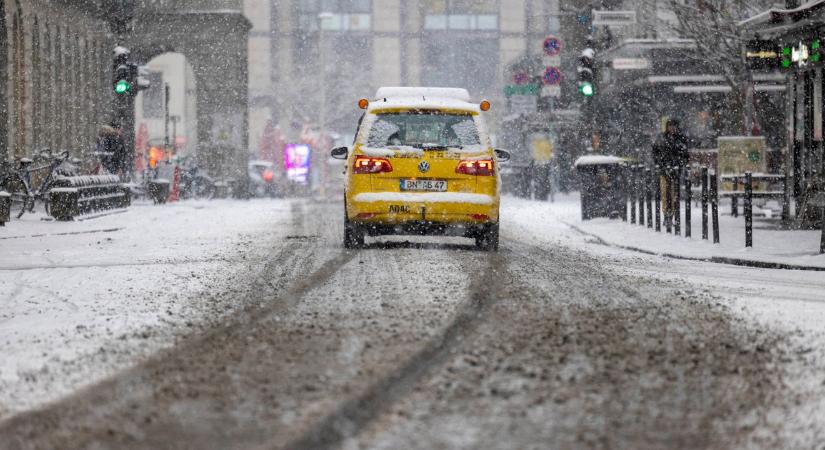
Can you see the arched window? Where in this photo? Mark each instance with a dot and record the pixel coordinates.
(36, 86)
(47, 98)
(4, 83)
(19, 86)
(60, 88)
(69, 92)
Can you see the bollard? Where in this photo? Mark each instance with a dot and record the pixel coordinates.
(734, 201)
(748, 210)
(632, 185)
(627, 190)
(657, 185)
(641, 195)
(822, 236)
(714, 205)
(688, 206)
(668, 208)
(677, 202)
(704, 202)
(786, 200)
(648, 199)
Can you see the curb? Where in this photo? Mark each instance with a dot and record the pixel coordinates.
(713, 259)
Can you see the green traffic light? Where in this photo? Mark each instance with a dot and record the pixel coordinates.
(122, 87)
(586, 89)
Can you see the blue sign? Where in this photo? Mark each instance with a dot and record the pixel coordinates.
(552, 46)
(552, 76)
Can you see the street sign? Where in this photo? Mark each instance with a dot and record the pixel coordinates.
(613, 18)
(551, 46)
(521, 78)
(549, 90)
(631, 63)
(521, 89)
(523, 104)
(552, 76)
(552, 61)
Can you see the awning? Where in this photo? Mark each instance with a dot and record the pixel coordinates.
(721, 88)
(706, 78)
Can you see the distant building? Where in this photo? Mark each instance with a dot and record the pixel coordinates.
(55, 59)
(174, 70)
(365, 44)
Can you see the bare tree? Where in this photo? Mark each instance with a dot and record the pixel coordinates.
(714, 27)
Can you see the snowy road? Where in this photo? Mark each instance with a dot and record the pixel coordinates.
(554, 342)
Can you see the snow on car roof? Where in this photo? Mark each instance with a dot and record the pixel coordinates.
(593, 160)
(425, 92)
(422, 103)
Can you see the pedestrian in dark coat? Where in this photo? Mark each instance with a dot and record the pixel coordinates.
(111, 149)
(671, 155)
(670, 152)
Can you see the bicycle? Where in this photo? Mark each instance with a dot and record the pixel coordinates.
(22, 186)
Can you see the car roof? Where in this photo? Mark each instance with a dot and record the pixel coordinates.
(432, 92)
(405, 98)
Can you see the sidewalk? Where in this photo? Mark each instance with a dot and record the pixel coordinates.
(81, 300)
(771, 246)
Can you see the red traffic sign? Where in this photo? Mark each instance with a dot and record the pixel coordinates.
(552, 46)
(552, 76)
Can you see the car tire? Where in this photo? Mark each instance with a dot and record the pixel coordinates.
(488, 239)
(353, 235)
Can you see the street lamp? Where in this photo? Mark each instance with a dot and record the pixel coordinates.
(322, 17)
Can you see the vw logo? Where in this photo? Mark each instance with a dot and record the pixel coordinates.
(423, 166)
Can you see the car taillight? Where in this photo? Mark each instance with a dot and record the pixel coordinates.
(268, 175)
(365, 164)
(483, 167)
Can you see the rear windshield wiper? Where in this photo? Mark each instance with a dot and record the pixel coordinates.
(438, 147)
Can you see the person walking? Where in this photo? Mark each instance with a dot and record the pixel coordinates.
(111, 149)
(670, 154)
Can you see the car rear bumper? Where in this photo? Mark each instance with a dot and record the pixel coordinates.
(437, 208)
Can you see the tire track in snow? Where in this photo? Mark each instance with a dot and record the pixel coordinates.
(355, 414)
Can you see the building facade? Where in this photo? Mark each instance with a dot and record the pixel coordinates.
(323, 55)
(790, 40)
(56, 56)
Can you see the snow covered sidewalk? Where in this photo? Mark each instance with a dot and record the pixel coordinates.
(798, 248)
(80, 300)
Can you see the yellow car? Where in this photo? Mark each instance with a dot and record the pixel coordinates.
(422, 163)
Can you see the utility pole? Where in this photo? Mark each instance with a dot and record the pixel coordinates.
(175, 119)
(166, 117)
(126, 84)
(322, 159)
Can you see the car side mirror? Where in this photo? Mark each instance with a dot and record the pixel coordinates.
(502, 155)
(339, 152)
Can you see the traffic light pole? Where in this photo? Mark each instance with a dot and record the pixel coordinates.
(125, 119)
(126, 83)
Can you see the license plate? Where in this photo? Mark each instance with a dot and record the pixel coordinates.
(424, 185)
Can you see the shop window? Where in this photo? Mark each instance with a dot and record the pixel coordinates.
(461, 15)
(343, 15)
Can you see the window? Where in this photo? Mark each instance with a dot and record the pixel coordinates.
(464, 60)
(554, 24)
(344, 15)
(432, 130)
(153, 97)
(461, 15)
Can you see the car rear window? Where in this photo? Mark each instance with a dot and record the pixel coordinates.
(423, 130)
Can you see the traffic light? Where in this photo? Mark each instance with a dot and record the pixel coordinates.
(586, 70)
(126, 75)
(121, 83)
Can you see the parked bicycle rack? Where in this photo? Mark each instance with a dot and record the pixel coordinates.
(73, 196)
